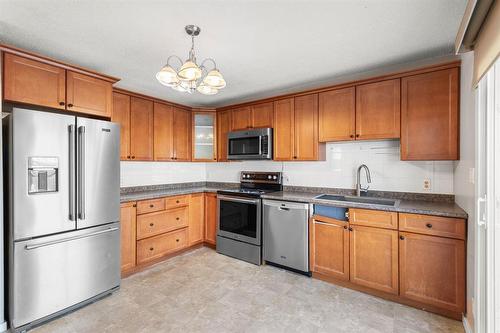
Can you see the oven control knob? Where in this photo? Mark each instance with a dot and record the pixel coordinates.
(245, 176)
(269, 177)
(275, 177)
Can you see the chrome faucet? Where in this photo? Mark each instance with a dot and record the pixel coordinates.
(359, 189)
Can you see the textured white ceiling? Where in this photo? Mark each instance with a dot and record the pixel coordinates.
(261, 47)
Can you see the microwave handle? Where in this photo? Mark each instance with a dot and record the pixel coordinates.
(260, 145)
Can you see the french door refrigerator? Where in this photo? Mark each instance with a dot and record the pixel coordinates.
(63, 211)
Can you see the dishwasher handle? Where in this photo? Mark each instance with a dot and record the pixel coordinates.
(286, 205)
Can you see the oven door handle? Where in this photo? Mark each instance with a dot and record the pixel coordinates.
(237, 199)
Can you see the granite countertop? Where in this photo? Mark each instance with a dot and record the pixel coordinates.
(447, 209)
(404, 205)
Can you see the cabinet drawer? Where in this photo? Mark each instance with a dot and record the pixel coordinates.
(149, 206)
(373, 218)
(160, 222)
(432, 225)
(155, 247)
(179, 201)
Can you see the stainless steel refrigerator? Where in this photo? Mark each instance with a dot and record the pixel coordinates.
(63, 176)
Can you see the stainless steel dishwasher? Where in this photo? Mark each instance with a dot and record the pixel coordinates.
(286, 234)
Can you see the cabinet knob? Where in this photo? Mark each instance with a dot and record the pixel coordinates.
(402, 237)
(151, 206)
(177, 218)
(61, 103)
(133, 157)
(151, 249)
(345, 227)
(350, 229)
(177, 201)
(295, 157)
(134, 205)
(151, 224)
(128, 157)
(352, 135)
(177, 240)
(428, 225)
(70, 105)
(357, 135)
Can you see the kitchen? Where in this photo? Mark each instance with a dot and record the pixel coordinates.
(157, 193)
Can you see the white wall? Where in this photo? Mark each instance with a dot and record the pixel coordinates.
(463, 184)
(153, 173)
(388, 172)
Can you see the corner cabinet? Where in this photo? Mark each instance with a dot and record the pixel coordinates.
(204, 136)
(430, 116)
(296, 129)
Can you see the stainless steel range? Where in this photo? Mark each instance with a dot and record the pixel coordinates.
(239, 227)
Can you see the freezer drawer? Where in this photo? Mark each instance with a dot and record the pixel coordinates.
(285, 232)
(55, 272)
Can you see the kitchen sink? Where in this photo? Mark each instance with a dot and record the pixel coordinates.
(365, 200)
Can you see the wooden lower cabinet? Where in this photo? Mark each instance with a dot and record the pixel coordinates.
(210, 218)
(158, 246)
(128, 235)
(330, 247)
(196, 218)
(432, 270)
(374, 258)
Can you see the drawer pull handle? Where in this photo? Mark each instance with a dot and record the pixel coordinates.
(151, 224)
(428, 225)
(177, 218)
(151, 248)
(151, 206)
(402, 237)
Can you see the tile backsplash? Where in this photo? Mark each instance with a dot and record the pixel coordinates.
(388, 172)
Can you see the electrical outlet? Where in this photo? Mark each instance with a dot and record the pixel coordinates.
(471, 175)
(427, 185)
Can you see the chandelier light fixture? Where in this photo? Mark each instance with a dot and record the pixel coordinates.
(189, 76)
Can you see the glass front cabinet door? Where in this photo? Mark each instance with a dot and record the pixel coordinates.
(204, 129)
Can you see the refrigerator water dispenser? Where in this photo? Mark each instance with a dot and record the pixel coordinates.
(42, 174)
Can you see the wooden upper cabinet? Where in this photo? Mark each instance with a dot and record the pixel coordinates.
(432, 270)
(182, 134)
(241, 118)
(430, 116)
(210, 218)
(378, 110)
(141, 129)
(128, 235)
(283, 132)
(223, 127)
(88, 95)
(337, 114)
(33, 82)
(374, 258)
(329, 247)
(121, 115)
(204, 136)
(163, 132)
(306, 128)
(262, 115)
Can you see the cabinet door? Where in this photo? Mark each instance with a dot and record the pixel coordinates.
(196, 218)
(89, 95)
(432, 270)
(141, 129)
(378, 110)
(241, 118)
(262, 115)
(337, 114)
(429, 116)
(284, 130)
(329, 248)
(223, 127)
(204, 137)
(162, 133)
(33, 82)
(210, 218)
(306, 128)
(374, 258)
(182, 134)
(128, 230)
(121, 115)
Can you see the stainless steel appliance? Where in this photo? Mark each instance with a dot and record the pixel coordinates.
(64, 211)
(254, 144)
(286, 234)
(239, 227)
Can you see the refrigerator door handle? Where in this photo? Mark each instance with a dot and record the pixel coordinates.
(81, 172)
(72, 173)
(36, 246)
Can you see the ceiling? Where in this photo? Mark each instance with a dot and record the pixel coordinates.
(262, 48)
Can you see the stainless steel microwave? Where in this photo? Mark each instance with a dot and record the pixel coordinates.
(255, 144)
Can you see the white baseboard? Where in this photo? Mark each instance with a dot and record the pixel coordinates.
(467, 327)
